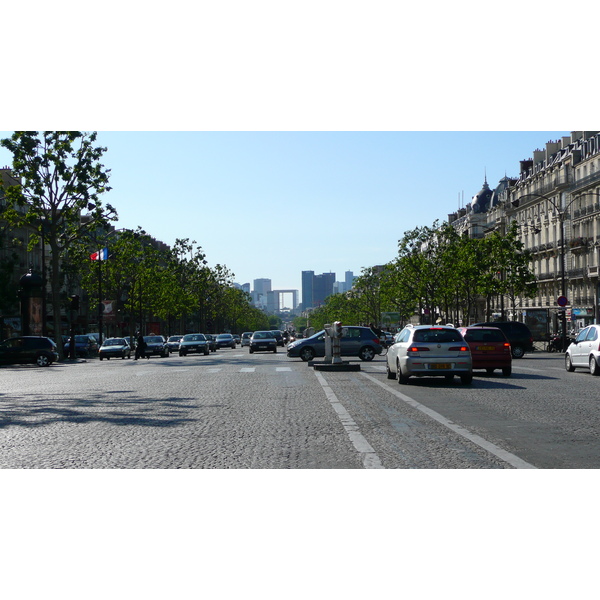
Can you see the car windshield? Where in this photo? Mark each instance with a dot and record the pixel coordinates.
(224, 336)
(193, 337)
(438, 336)
(262, 335)
(484, 335)
(115, 342)
(153, 339)
(84, 339)
(175, 338)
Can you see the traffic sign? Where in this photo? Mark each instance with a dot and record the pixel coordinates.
(562, 301)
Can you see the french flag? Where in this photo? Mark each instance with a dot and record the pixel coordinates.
(100, 255)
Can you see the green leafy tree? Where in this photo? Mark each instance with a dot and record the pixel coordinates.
(60, 177)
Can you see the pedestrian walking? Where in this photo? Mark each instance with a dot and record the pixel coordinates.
(140, 348)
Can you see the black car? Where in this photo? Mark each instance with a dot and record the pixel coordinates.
(263, 341)
(156, 344)
(194, 342)
(225, 340)
(173, 343)
(85, 345)
(38, 350)
(518, 334)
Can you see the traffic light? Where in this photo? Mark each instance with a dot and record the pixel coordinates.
(74, 301)
(337, 329)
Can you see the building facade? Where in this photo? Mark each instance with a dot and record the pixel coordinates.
(555, 202)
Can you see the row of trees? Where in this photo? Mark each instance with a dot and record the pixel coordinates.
(58, 201)
(437, 274)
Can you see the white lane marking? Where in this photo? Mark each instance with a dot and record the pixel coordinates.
(511, 459)
(280, 369)
(370, 458)
(248, 370)
(214, 369)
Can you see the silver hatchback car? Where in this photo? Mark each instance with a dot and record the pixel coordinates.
(429, 351)
(585, 350)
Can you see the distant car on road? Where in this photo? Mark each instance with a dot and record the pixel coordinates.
(245, 340)
(194, 342)
(212, 341)
(38, 350)
(173, 343)
(278, 336)
(225, 340)
(263, 341)
(85, 346)
(115, 348)
(362, 342)
(156, 345)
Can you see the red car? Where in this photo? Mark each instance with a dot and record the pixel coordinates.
(490, 348)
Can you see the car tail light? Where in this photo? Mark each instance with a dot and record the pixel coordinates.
(418, 348)
(458, 349)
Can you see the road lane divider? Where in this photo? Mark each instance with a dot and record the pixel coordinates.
(370, 459)
(511, 459)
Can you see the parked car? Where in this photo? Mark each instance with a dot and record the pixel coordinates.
(278, 336)
(156, 344)
(212, 341)
(85, 346)
(430, 351)
(518, 334)
(115, 348)
(584, 352)
(173, 343)
(263, 341)
(38, 350)
(245, 340)
(225, 340)
(355, 341)
(490, 348)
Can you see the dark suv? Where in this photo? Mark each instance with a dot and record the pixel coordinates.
(356, 341)
(28, 349)
(518, 334)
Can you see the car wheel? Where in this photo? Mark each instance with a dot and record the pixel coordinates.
(307, 354)
(206, 352)
(101, 358)
(389, 373)
(251, 350)
(569, 364)
(181, 353)
(518, 352)
(42, 360)
(489, 371)
(449, 377)
(506, 371)
(275, 349)
(466, 379)
(402, 379)
(594, 369)
(108, 358)
(366, 353)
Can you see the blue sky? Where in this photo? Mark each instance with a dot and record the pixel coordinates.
(272, 204)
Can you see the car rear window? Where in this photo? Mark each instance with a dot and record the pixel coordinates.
(437, 335)
(484, 335)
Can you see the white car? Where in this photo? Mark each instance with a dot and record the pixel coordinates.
(429, 351)
(246, 338)
(585, 351)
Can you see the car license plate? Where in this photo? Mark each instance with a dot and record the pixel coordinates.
(262, 346)
(485, 348)
(440, 366)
